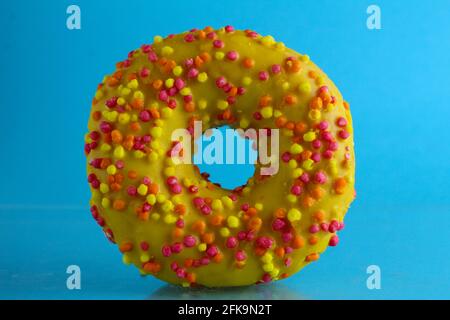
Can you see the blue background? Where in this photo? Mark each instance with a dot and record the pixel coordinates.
(396, 80)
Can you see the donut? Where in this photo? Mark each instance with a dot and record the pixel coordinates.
(167, 218)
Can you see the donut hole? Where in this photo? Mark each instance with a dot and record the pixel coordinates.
(224, 157)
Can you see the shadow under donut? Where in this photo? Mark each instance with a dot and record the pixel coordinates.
(255, 292)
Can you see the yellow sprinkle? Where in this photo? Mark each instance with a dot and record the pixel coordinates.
(296, 148)
(157, 39)
(222, 104)
(156, 132)
(160, 198)
(201, 247)
(244, 123)
(126, 259)
(138, 154)
(105, 203)
(309, 136)
(151, 199)
(119, 152)
(291, 198)
(267, 40)
(144, 257)
(142, 189)
(166, 51)
(104, 188)
(98, 95)
(267, 112)
(124, 118)
(202, 77)
(233, 221)
(178, 70)
(314, 114)
(111, 169)
(297, 173)
(304, 87)
(169, 82)
(170, 218)
(307, 164)
(219, 55)
(267, 257)
(259, 206)
(246, 81)
(121, 101)
(294, 215)
(268, 267)
(285, 86)
(133, 84)
(217, 205)
(155, 216)
(105, 147)
(224, 232)
(227, 202)
(138, 95)
(185, 91)
(292, 163)
(125, 91)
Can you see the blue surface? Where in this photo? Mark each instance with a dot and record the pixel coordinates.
(396, 80)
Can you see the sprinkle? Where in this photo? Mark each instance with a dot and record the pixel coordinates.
(233, 222)
(232, 55)
(294, 215)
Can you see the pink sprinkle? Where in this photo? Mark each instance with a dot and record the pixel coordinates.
(343, 134)
(198, 202)
(316, 144)
(287, 236)
(180, 223)
(304, 177)
(171, 180)
(316, 157)
(240, 255)
(286, 156)
(276, 68)
(263, 75)
(189, 241)
(111, 102)
(174, 266)
(287, 262)
(192, 73)
(314, 228)
(341, 122)
(334, 240)
(278, 224)
(105, 127)
(144, 245)
(241, 235)
(145, 116)
(229, 29)
(189, 37)
(179, 83)
(324, 226)
(231, 242)
(320, 177)
(266, 278)
(232, 55)
(245, 207)
(323, 125)
(288, 250)
(327, 136)
(176, 188)
(152, 57)
(206, 210)
(327, 154)
(218, 44)
(220, 82)
(334, 226)
(333, 146)
(166, 251)
(144, 72)
(181, 273)
(163, 96)
(264, 242)
(177, 247)
(132, 191)
(189, 62)
(212, 251)
(193, 189)
(296, 190)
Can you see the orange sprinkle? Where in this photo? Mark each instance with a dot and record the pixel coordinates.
(132, 174)
(248, 63)
(135, 126)
(255, 223)
(177, 233)
(316, 103)
(189, 106)
(308, 201)
(279, 251)
(312, 257)
(96, 115)
(317, 193)
(153, 188)
(126, 246)
(157, 84)
(319, 216)
(265, 100)
(180, 209)
(298, 242)
(199, 226)
(290, 99)
(216, 220)
(218, 257)
(280, 121)
(137, 103)
(188, 262)
(116, 136)
(280, 213)
(313, 240)
(339, 185)
(208, 237)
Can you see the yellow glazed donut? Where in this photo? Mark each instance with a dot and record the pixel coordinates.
(169, 220)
